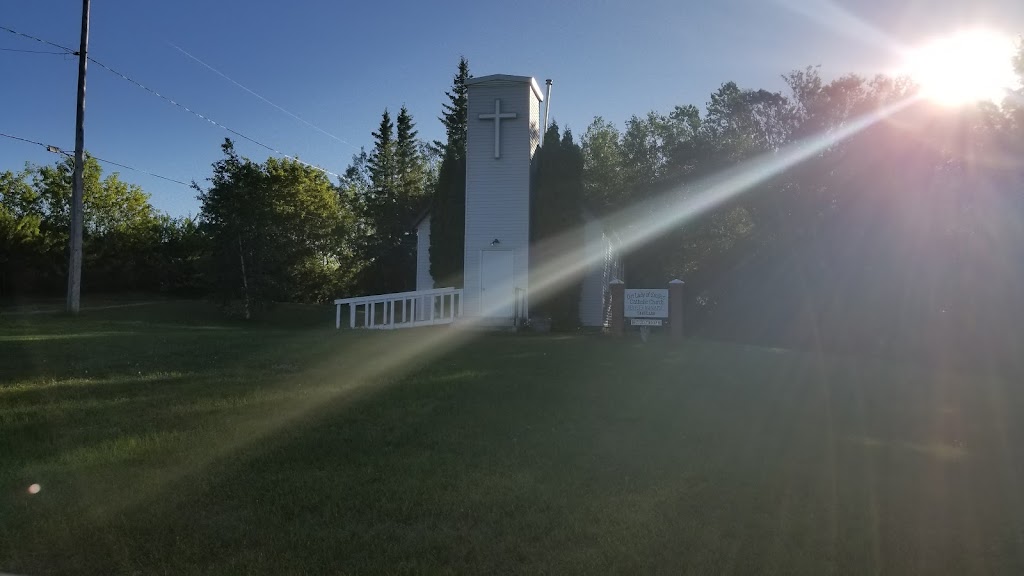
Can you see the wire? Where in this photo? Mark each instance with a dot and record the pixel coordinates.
(33, 51)
(250, 91)
(208, 119)
(23, 140)
(182, 106)
(30, 37)
(50, 148)
(143, 171)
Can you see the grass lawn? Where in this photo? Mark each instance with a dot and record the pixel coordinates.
(163, 443)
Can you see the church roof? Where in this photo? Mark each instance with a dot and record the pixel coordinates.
(509, 78)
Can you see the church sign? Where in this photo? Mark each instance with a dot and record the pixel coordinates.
(645, 307)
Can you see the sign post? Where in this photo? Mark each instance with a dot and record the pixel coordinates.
(675, 296)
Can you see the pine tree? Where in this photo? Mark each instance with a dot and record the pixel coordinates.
(456, 113)
(410, 164)
(411, 176)
(448, 209)
(380, 213)
(382, 164)
(556, 228)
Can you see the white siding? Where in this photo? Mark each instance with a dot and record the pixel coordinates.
(592, 293)
(498, 189)
(423, 279)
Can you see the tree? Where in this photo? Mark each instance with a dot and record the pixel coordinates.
(604, 182)
(122, 232)
(275, 232)
(412, 167)
(235, 214)
(456, 113)
(120, 236)
(556, 228)
(22, 244)
(311, 226)
(385, 218)
(448, 207)
(183, 250)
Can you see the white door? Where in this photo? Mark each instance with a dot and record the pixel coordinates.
(497, 289)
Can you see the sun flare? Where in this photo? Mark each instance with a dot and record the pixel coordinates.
(964, 67)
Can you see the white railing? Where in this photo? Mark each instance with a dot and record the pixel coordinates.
(402, 309)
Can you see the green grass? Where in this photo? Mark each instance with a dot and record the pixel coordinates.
(165, 442)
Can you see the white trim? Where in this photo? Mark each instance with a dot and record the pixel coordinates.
(509, 78)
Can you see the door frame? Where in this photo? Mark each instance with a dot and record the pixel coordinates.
(512, 306)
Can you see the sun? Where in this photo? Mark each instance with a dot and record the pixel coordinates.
(964, 67)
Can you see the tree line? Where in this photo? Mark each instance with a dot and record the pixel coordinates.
(283, 231)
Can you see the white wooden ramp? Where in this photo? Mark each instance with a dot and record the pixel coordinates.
(402, 309)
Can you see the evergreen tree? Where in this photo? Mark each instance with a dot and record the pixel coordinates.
(382, 167)
(556, 231)
(410, 164)
(388, 190)
(378, 211)
(456, 113)
(448, 209)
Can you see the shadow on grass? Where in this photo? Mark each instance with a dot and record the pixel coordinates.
(523, 455)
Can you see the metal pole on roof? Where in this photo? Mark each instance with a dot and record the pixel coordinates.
(547, 108)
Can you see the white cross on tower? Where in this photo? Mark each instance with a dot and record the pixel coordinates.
(498, 116)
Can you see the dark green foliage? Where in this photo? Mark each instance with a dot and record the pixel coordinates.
(448, 206)
(448, 223)
(868, 244)
(455, 116)
(389, 197)
(410, 164)
(128, 246)
(276, 233)
(556, 232)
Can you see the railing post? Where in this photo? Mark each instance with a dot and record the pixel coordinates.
(392, 312)
(432, 304)
(618, 292)
(337, 317)
(352, 315)
(460, 292)
(675, 308)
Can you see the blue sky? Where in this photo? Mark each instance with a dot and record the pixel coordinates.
(339, 64)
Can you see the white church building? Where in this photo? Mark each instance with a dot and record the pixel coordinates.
(503, 134)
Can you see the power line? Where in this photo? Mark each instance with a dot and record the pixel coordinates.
(34, 51)
(57, 150)
(179, 105)
(208, 119)
(254, 93)
(30, 37)
(143, 171)
(24, 140)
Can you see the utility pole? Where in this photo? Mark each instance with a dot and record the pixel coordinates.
(75, 243)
